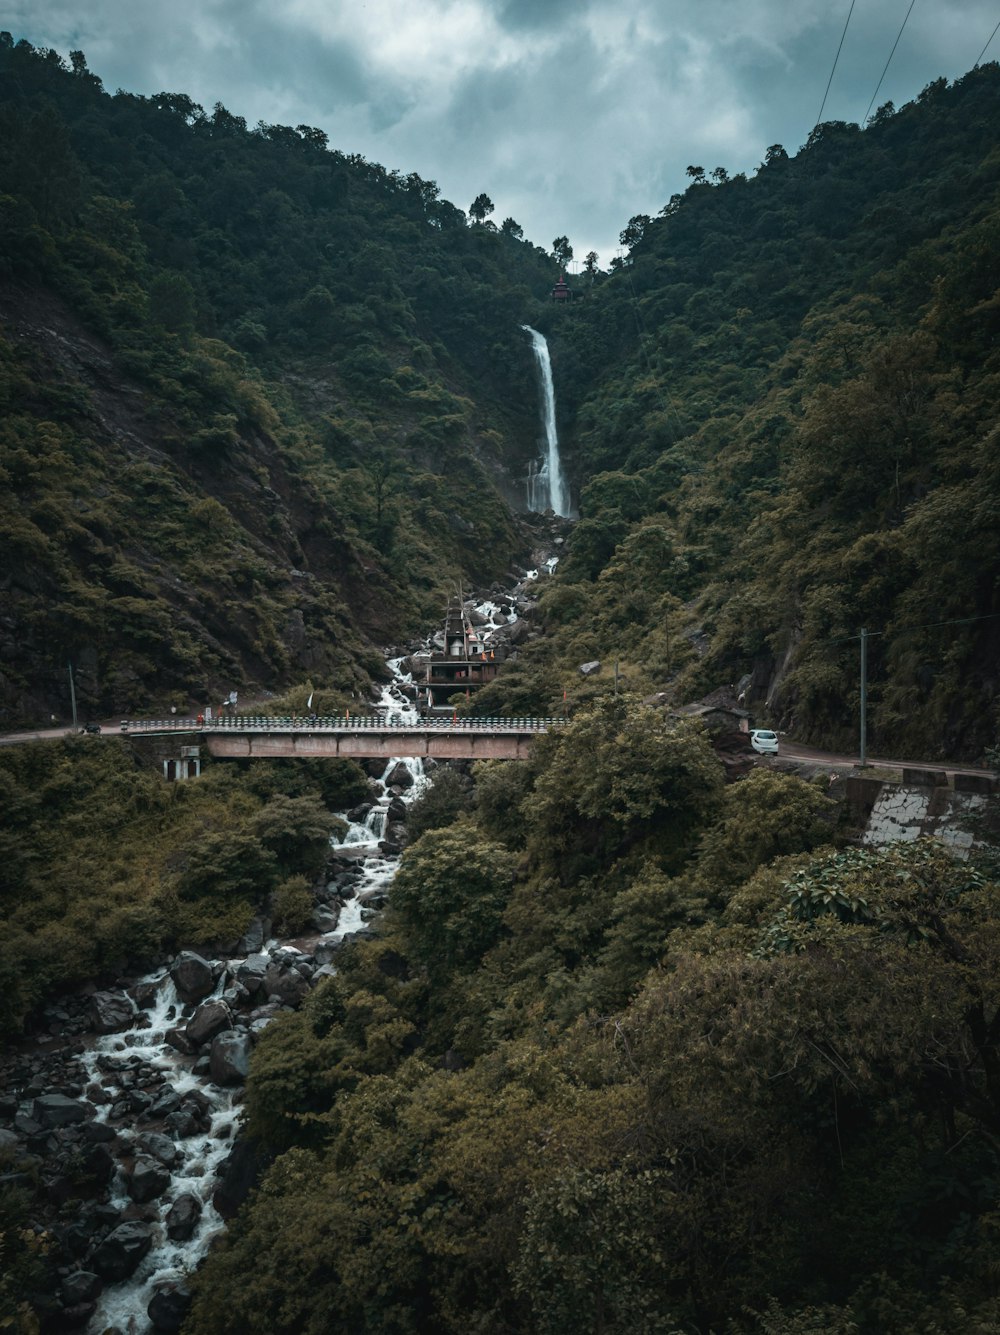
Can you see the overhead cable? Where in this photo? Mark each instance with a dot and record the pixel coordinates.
(924, 625)
(986, 47)
(835, 60)
(864, 119)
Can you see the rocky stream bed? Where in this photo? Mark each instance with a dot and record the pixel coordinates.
(120, 1112)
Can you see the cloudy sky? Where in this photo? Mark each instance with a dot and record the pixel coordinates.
(572, 115)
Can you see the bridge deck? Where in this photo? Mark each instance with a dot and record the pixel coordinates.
(366, 737)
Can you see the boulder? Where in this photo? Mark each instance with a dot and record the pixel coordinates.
(229, 1058)
(82, 1286)
(121, 1251)
(193, 976)
(158, 1147)
(254, 937)
(96, 1133)
(97, 1164)
(149, 1180)
(182, 1217)
(326, 950)
(164, 1105)
(169, 1306)
(241, 1172)
(285, 984)
(185, 1121)
(588, 669)
(399, 776)
(178, 1039)
(396, 810)
(55, 1110)
(251, 972)
(111, 1012)
(211, 1018)
(325, 917)
(144, 995)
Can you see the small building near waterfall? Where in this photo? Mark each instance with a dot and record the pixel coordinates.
(464, 663)
(561, 290)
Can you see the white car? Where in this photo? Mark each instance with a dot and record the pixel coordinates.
(764, 741)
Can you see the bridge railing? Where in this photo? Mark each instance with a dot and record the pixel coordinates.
(236, 723)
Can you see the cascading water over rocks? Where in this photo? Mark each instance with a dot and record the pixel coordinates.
(547, 489)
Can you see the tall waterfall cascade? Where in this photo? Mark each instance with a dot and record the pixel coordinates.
(546, 487)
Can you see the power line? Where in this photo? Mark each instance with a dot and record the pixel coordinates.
(835, 60)
(889, 61)
(924, 625)
(984, 50)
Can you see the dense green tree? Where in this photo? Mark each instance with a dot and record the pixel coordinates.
(562, 251)
(449, 896)
(480, 208)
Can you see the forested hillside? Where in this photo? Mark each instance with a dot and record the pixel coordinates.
(632, 1050)
(781, 408)
(263, 403)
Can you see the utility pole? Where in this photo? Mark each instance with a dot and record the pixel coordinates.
(72, 695)
(864, 695)
(616, 676)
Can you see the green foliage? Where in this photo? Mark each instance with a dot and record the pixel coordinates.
(289, 344)
(501, 791)
(783, 413)
(441, 804)
(449, 896)
(296, 830)
(764, 816)
(621, 778)
(292, 906)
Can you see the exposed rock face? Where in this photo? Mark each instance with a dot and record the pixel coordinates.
(230, 1058)
(169, 1306)
(211, 1018)
(399, 776)
(55, 1110)
(193, 976)
(110, 1012)
(121, 1251)
(148, 1181)
(182, 1217)
(241, 1173)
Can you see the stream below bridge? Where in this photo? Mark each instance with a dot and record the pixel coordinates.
(124, 1115)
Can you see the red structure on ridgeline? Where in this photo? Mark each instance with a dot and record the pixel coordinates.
(561, 292)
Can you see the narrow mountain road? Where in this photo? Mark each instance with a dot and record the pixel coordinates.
(796, 751)
(790, 750)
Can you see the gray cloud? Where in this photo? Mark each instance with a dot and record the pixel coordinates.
(572, 114)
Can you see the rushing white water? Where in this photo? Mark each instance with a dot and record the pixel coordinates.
(114, 1061)
(116, 1057)
(122, 1062)
(546, 488)
(395, 705)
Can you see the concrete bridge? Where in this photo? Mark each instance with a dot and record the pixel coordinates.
(365, 737)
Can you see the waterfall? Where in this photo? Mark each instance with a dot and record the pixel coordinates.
(546, 488)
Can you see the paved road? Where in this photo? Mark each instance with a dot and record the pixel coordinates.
(796, 751)
(790, 750)
(39, 735)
